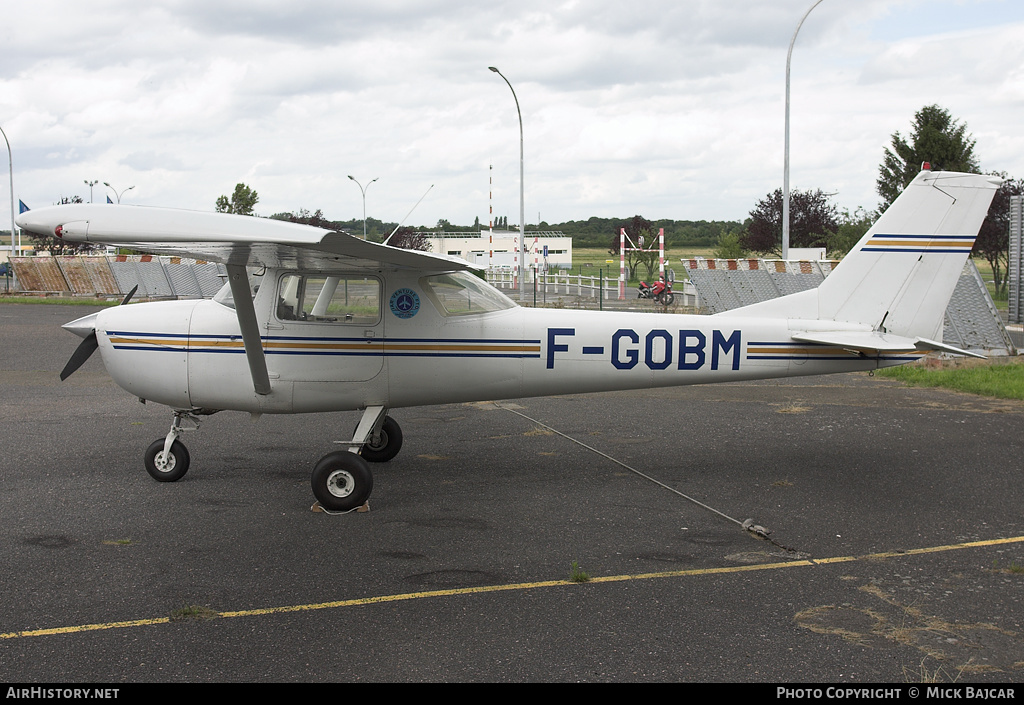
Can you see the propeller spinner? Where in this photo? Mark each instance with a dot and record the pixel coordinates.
(85, 327)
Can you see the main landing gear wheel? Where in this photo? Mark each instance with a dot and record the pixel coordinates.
(173, 468)
(386, 445)
(342, 481)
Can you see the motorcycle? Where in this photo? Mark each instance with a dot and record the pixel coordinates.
(660, 291)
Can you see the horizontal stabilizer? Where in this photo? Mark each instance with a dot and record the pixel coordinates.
(875, 342)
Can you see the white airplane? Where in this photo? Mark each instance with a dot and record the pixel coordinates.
(330, 322)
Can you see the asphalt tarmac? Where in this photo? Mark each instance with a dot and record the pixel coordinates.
(895, 553)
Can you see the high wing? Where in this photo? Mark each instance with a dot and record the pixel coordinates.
(220, 237)
(237, 241)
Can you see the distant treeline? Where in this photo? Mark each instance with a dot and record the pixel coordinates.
(599, 232)
(593, 232)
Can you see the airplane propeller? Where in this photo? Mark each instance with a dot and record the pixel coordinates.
(89, 342)
(128, 298)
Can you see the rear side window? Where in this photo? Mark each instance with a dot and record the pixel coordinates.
(329, 299)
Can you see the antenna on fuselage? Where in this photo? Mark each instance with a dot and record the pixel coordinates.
(408, 214)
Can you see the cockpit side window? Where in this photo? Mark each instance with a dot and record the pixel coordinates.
(318, 298)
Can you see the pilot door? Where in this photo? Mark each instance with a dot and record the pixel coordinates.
(325, 328)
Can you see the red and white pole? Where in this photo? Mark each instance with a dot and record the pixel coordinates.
(661, 251)
(622, 264)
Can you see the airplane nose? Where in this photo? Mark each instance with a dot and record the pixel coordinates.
(82, 327)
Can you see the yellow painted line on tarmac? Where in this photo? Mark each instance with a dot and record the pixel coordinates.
(693, 572)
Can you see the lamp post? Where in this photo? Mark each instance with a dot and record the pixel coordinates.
(520, 255)
(785, 175)
(10, 161)
(90, 184)
(118, 195)
(363, 190)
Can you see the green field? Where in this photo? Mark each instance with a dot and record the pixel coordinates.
(588, 260)
(985, 271)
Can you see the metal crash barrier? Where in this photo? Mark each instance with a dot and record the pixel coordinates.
(972, 321)
(114, 275)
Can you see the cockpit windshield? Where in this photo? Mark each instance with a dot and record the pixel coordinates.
(462, 294)
(226, 298)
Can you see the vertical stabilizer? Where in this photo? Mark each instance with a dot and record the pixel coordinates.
(900, 276)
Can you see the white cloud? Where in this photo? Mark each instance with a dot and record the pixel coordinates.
(667, 109)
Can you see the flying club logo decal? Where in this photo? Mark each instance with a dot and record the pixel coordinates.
(405, 303)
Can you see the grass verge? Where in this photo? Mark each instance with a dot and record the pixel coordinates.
(58, 300)
(1002, 380)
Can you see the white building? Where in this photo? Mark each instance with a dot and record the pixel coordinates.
(497, 248)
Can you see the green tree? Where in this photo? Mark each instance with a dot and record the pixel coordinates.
(242, 202)
(937, 139)
(728, 245)
(410, 239)
(852, 227)
(304, 217)
(993, 242)
(812, 221)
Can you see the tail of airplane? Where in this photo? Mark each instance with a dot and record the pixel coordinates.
(890, 292)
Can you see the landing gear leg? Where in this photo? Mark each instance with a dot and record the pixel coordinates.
(167, 459)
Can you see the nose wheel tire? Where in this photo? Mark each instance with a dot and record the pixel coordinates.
(342, 481)
(386, 445)
(175, 466)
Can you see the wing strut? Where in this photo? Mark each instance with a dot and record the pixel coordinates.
(239, 280)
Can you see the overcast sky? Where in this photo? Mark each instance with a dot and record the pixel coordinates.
(667, 109)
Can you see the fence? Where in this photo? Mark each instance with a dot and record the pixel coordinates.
(1015, 264)
(556, 285)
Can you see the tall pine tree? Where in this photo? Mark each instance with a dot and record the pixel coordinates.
(938, 139)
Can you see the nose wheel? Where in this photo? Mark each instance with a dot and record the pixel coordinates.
(167, 467)
(167, 459)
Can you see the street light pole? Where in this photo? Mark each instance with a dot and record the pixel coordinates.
(10, 161)
(522, 203)
(118, 195)
(785, 175)
(363, 190)
(90, 184)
